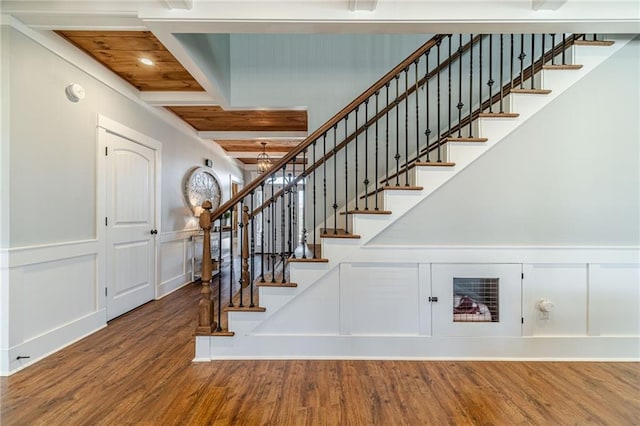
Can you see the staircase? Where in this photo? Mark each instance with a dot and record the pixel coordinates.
(429, 118)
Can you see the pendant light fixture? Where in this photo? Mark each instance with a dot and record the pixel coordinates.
(264, 161)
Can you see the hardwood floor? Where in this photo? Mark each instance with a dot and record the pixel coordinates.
(138, 371)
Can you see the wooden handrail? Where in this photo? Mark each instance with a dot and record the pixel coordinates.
(333, 121)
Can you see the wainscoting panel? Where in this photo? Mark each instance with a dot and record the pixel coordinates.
(174, 261)
(614, 300)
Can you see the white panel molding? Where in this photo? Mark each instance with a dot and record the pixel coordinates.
(185, 234)
(31, 255)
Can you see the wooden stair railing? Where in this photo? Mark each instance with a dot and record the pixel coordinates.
(295, 196)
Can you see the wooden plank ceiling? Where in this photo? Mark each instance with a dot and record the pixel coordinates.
(121, 51)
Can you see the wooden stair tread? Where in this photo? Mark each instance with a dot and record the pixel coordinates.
(435, 164)
(562, 67)
(245, 309)
(330, 235)
(223, 333)
(499, 115)
(370, 211)
(401, 188)
(463, 139)
(594, 43)
(532, 91)
(276, 284)
(307, 260)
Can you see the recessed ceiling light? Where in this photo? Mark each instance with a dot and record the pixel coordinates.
(146, 61)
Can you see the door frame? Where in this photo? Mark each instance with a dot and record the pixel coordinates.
(106, 125)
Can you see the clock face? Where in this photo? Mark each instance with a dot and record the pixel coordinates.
(202, 185)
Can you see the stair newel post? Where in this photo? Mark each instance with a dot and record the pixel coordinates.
(314, 223)
(206, 324)
(355, 179)
(376, 154)
(564, 48)
(304, 203)
(252, 250)
(335, 179)
(346, 175)
(470, 85)
(283, 223)
(449, 88)
(274, 233)
(406, 127)
(219, 301)
(416, 63)
(324, 179)
(533, 62)
(397, 156)
(438, 104)
(242, 249)
(386, 137)
(427, 132)
(231, 265)
(553, 49)
(366, 154)
(501, 72)
(521, 57)
(460, 104)
(262, 214)
(490, 81)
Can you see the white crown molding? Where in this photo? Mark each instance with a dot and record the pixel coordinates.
(85, 63)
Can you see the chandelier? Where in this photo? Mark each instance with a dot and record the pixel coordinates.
(264, 161)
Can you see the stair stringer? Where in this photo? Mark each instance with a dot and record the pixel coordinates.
(248, 343)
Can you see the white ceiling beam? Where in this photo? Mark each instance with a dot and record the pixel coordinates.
(242, 154)
(547, 4)
(368, 5)
(249, 135)
(179, 4)
(177, 98)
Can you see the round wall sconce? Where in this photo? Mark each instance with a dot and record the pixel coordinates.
(75, 92)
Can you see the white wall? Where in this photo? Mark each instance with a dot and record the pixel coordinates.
(568, 176)
(51, 290)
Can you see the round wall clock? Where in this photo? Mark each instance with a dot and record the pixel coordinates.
(200, 185)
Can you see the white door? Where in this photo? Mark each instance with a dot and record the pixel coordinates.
(130, 224)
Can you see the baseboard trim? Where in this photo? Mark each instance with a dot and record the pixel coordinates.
(50, 342)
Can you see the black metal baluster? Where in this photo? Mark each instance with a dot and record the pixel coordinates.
(335, 180)
(314, 224)
(511, 76)
(231, 262)
(417, 110)
(438, 96)
(490, 81)
(543, 47)
(449, 88)
(366, 155)
(533, 62)
(564, 48)
(274, 234)
(406, 126)
(355, 180)
(460, 104)
(521, 57)
(252, 253)
(346, 176)
(304, 203)
(376, 154)
(427, 132)
(289, 192)
(480, 82)
(397, 156)
(283, 224)
(470, 85)
(553, 49)
(501, 72)
(241, 232)
(386, 181)
(262, 235)
(219, 301)
(324, 179)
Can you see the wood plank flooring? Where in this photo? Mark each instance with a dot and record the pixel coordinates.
(138, 371)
